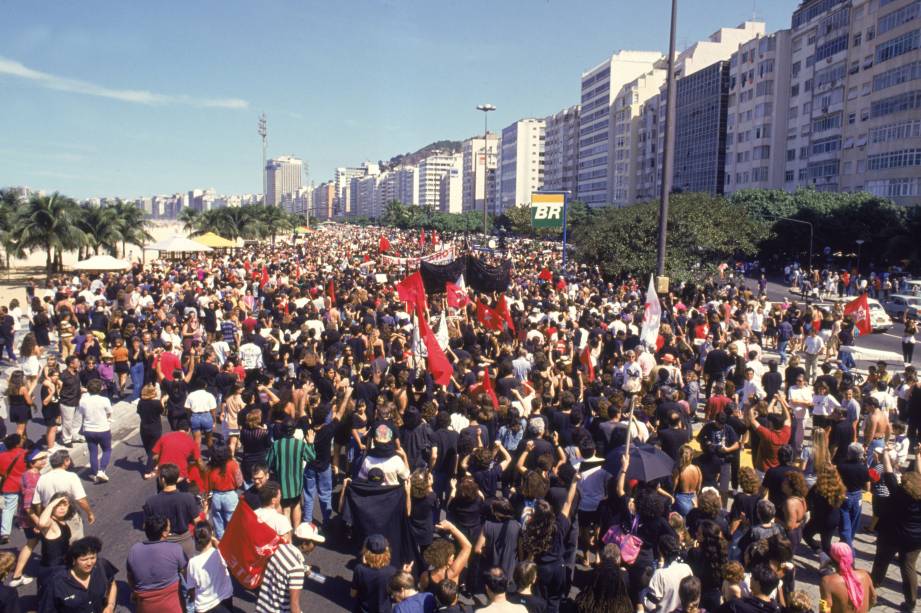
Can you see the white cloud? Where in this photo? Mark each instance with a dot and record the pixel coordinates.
(139, 96)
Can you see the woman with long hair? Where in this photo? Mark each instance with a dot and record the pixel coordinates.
(255, 440)
(707, 560)
(150, 410)
(688, 480)
(541, 542)
(824, 500)
(795, 509)
(224, 479)
(814, 455)
(607, 590)
(497, 544)
(137, 364)
(19, 392)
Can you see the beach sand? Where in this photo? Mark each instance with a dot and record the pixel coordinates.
(13, 280)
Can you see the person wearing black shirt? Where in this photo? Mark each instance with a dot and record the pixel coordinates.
(772, 381)
(856, 478)
(717, 441)
(842, 435)
(774, 477)
(318, 474)
(180, 508)
(259, 476)
(371, 577)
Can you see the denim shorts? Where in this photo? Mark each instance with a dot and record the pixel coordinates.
(202, 422)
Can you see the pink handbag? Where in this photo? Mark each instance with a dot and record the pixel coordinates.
(629, 543)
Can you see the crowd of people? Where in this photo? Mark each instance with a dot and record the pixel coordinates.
(567, 461)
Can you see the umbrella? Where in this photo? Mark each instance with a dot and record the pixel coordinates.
(647, 462)
(178, 244)
(213, 240)
(102, 262)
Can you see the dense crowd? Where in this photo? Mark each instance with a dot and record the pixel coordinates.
(568, 459)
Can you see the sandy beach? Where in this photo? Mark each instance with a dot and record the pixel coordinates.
(13, 280)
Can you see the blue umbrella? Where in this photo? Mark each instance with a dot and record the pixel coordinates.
(647, 463)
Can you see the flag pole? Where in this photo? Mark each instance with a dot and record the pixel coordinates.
(565, 206)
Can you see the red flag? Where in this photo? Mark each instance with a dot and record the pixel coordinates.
(859, 310)
(545, 275)
(489, 317)
(412, 291)
(264, 277)
(422, 238)
(366, 258)
(383, 244)
(438, 364)
(434, 237)
(502, 309)
(248, 546)
(488, 389)
(457, 297)
(561, 285)
(246, 265)
(331, 292)
(586, 358)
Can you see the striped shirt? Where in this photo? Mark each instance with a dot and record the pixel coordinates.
(229, 333)
(286, 460)
(285, 572)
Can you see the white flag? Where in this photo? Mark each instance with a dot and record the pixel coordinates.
(419, 348)
(441, 334)
(460, 282)
(652, 317)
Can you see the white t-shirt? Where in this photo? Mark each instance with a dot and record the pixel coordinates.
(201, 401)
(271, 517)
(57, 481)
(207, 574)
(393, 468)
(96, 411)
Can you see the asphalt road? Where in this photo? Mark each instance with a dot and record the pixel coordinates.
(118, 503)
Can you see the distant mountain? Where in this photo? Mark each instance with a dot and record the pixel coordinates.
(410, 159)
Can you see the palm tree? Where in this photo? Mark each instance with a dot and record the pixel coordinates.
(48, 223)
(9, 203)
(274, 220)
(189, 218)
(132, 225)
(100, 226)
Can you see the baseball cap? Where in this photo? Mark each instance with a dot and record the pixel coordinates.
(306, 531)
(376, 543)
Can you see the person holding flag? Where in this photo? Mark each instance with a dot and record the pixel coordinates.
(856, 322)
(652, 317)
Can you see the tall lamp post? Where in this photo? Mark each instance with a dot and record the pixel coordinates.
(263, 132)
(486, 108)
(669, 153)
(860, 243)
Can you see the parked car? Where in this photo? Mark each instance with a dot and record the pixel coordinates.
(900, 304)
(878, 318)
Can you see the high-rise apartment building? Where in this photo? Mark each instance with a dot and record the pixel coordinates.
(342, 207)
(282, 176)
(451, 191)
(479, 172)
(759, 105)
(600, 86)
(521, 162)
(561, 150)
(324, 199)
(625, 162)
(430, 172)
(406, 185)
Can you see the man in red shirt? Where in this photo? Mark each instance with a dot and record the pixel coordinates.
(178, 448)
(771, 439)
(166, 362)
(718, 402)
(12, 465)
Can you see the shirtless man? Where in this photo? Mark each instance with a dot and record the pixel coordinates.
(878, 429)
(833, 588)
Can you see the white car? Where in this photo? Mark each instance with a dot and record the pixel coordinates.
(899, 304)
(878, 318)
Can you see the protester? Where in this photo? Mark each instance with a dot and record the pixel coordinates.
(284, 575)
(155, 567)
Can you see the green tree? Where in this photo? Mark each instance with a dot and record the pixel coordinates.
(132, 225)
(189, 218)
(47, 223)
(703, 231)
(100, 227)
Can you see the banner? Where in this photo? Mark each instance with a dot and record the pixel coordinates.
(547, 210)
(247, 546)
(444, 256)
(652, 317)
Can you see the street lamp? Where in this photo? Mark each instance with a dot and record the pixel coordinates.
(263, 132)
(860, 243)
(669, 152)
(486, 108)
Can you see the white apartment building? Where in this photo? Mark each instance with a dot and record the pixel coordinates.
(625, 167)
(406, 185)
(561, 150)
(479, 172)
(384, 193)
(521, 162)
(757, 139)
(430, 172)
(343, 182)
(451, 194)
(364, 190)
(600, 85)
(283, 175)
(324, 200)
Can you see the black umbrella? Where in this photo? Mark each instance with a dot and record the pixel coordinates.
(647, 462)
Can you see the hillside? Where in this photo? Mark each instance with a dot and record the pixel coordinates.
(409, 159)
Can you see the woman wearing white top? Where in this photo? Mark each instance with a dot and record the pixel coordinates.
(96, 411)
(207, 578)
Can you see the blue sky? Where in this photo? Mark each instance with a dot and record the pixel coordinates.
(130, 98)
